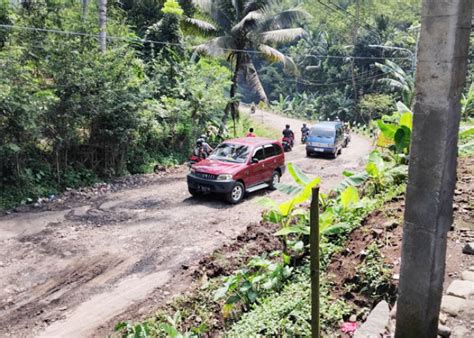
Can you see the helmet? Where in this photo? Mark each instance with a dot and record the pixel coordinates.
(203, 137)
(199, 142)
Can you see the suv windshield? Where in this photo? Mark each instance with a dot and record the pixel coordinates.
(322, 133)
(231, 153)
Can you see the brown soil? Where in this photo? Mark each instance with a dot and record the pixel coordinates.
(386, 228)
(94, 256)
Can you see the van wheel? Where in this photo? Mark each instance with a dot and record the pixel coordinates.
(334, 155)
(236, 194)
(340, 151)
(275, 180)
(308, 154)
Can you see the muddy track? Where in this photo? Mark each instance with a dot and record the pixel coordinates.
(76, 269)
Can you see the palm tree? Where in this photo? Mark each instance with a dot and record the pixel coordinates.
(249, 28)
(102, 25)
(397, 78)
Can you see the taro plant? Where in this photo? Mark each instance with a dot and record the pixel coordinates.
(260, 276)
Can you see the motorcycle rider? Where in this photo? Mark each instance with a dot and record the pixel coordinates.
(304, 132)
(288, 133)
(202, 149)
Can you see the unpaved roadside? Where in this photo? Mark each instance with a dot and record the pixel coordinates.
(74, 272)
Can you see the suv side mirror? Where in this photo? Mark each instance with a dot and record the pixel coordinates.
(254, 160)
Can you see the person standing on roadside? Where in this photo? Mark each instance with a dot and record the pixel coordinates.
(250, 133)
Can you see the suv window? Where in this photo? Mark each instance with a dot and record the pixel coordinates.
(270, 151)
(278, 149)
(258, 154)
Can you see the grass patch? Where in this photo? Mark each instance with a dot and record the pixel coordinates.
(260, 129)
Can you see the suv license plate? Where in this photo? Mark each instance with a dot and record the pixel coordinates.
(319, 149)
(203, 188)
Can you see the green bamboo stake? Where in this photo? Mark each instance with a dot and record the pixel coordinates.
(314, 255)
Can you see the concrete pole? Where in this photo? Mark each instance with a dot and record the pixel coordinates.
(440, 77)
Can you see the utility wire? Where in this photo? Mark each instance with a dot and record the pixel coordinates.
(121, 38)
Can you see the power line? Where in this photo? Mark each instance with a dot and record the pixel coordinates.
(121, 38)
(315, 84)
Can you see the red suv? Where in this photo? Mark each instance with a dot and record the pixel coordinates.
(238, 166)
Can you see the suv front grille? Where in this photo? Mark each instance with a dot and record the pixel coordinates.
(206, 176)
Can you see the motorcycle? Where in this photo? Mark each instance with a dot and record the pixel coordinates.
(304, 137)
(287, 143)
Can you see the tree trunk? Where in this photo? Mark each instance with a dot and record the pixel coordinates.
(234, 106)
(103, 25)
(85, 9)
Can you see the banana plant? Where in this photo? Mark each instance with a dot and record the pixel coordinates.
(396, 134)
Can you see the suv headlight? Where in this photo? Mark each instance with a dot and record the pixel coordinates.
(224, 177)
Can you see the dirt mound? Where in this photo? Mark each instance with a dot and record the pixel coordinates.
(259, 238)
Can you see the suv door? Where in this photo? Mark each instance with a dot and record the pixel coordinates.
(256, 172)
(271, 161)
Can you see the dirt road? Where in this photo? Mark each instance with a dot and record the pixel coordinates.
(75, 270)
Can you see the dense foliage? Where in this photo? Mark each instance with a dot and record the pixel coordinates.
(70, 114)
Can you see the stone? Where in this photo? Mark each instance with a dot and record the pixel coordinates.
(471, 268)
(461, 332)
(452, 305)
(393, 312)
(468, 275)
(461, 288)
(353, 318)
(376, 322)
(443, 318)
(444, 331)
(468, 249)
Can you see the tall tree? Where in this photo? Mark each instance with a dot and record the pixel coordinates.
(248, 29)
(103, 25)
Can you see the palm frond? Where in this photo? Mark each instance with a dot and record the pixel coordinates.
(282, 35)
(253, 80)
(200, 26)
(253, 5)
(283, 19)
(216, 47)
(274, 55)
(214, 10)
(248, 22)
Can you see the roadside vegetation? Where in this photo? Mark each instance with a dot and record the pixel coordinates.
(73, 114)
(270, 293)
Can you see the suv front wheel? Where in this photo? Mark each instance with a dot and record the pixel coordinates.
(236, 194)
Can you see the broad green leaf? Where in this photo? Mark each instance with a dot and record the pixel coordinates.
(349, 196)
(288, 188)
(336, 229)
(355, 180)
(407, 120)
(402, 139)
(466, 133)
(286, 207)
(298, 175)
(387, 129)
(297, 229)
(372, 170)
(325, 219)
(376, 158)
(221, 292)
